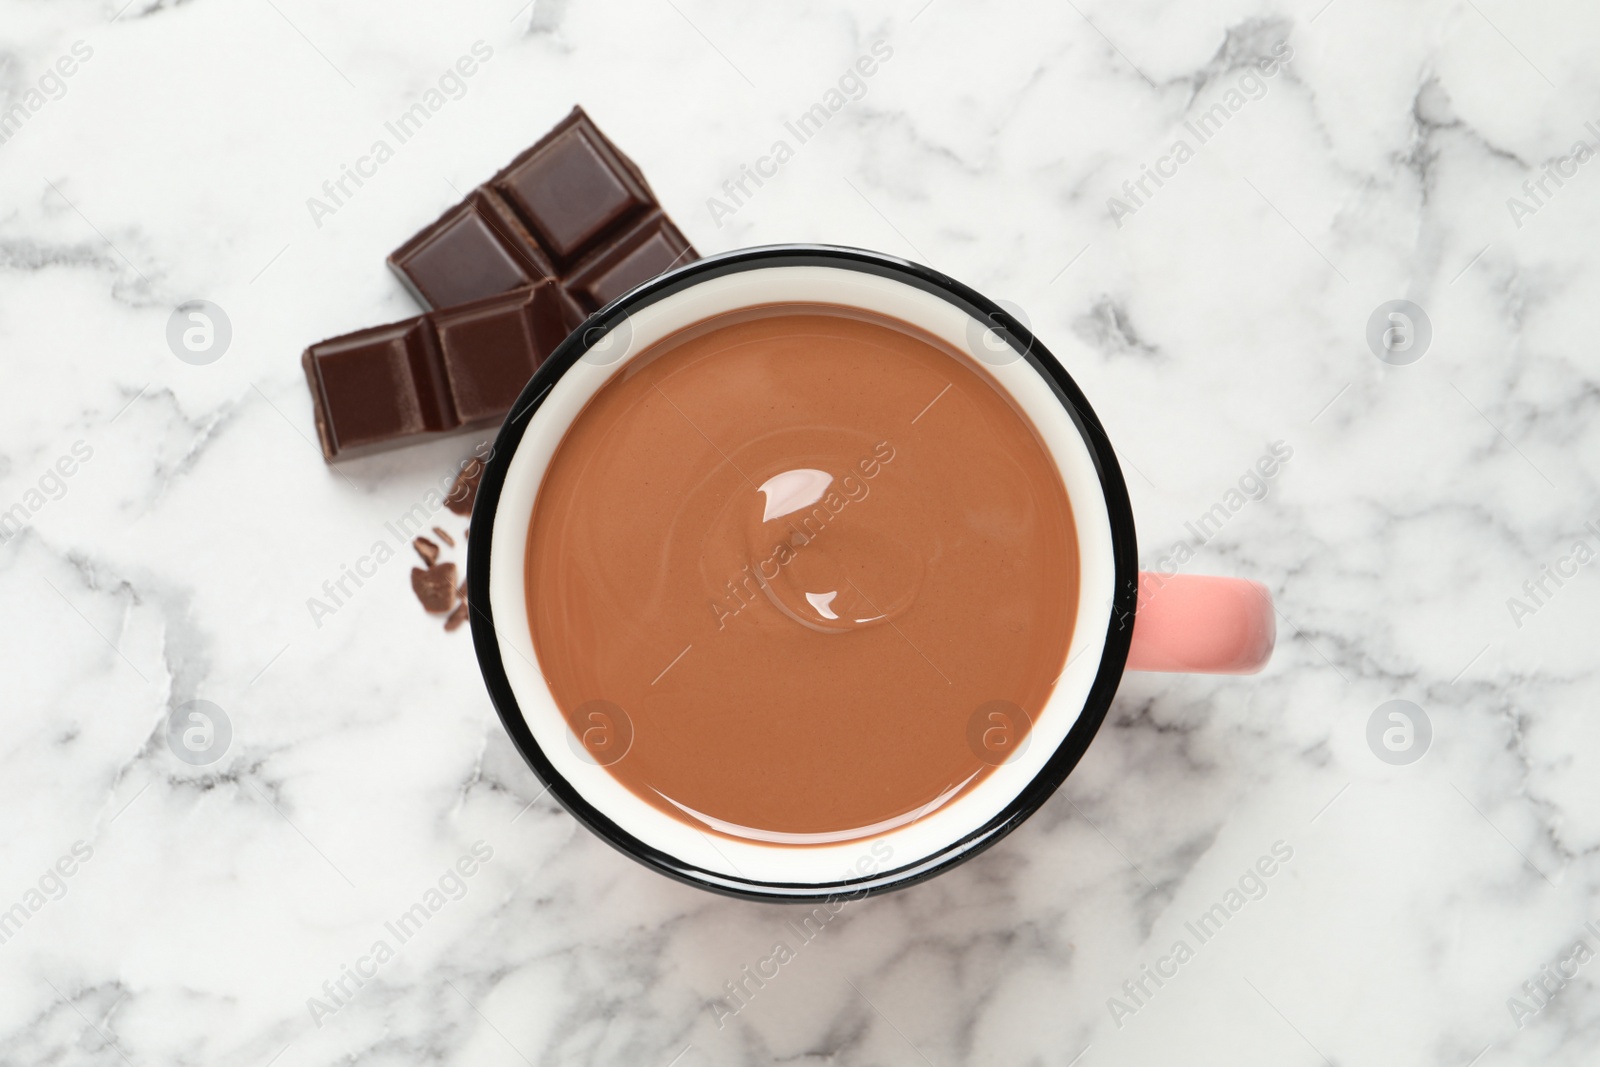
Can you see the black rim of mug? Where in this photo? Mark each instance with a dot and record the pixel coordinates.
(1119, 631)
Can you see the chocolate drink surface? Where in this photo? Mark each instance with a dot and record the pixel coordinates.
(791, 555)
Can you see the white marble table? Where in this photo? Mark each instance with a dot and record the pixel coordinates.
(1220, 311)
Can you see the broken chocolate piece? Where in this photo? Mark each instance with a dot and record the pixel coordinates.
(465, 489)
(435, 587)
(446, 538)
(427, 550)
(390, 385)
(572, 208)
(457, 617)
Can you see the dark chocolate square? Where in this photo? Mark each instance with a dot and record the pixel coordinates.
(367, 390)
(492, 347)
(649, 249)
(573, 187)
(468, 253)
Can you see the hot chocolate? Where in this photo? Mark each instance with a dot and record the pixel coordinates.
(786, 564)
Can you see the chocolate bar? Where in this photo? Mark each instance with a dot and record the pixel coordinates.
(446, 370)
(571, 208)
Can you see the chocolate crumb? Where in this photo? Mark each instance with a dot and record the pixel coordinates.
(427, 550)
(446, 538)
(465, 489)
(435, 587)
(457, 617)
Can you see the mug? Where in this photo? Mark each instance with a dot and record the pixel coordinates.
(1124, 620)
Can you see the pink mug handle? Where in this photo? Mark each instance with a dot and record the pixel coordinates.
(1193, 624)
